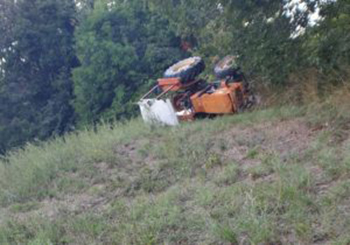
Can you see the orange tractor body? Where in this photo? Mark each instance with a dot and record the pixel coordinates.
(188, 97)
(224, 100)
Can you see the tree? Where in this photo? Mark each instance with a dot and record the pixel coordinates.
(327, 45)
(37, 53)
(259, 32)
(123, 47)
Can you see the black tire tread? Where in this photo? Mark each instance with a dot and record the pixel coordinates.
(221, 72)
(188, 74)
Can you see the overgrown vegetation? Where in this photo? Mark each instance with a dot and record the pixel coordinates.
(278, 175)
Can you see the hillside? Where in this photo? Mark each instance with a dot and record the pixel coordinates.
(274, 176)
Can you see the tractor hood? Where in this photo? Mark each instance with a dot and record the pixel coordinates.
(161, 112)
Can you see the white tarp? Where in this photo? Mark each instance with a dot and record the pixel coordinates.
(158, 111)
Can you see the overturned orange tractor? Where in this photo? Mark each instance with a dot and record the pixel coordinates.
(181, 96)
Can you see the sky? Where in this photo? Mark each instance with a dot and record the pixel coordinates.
(292, 6)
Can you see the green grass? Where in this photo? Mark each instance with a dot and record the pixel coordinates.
(208, 182)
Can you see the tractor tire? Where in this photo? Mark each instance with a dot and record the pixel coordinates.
(187, 70)
(239, 103)
(226, 67)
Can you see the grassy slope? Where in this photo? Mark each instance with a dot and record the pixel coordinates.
(271, 176)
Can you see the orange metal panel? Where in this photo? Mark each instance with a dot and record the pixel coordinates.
(217, 103)
(222, 101)
(174, 84)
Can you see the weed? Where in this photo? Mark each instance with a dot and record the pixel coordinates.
(213, 161)
(25, 207)
(228, 175)
(253, 152)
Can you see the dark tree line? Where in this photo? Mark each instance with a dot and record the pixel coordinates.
(66, 64)
(37, 53)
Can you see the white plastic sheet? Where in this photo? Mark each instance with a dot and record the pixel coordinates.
(158, 112)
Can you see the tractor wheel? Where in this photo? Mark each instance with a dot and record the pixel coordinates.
(186, 70)
(239, 103)
(226, 67)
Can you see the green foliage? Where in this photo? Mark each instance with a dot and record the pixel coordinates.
(37, 57)
(327, 46)
(121, 48)
(257, 31)
(266, 35)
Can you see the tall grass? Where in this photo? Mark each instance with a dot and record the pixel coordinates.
(163, 185)
(28, 173)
